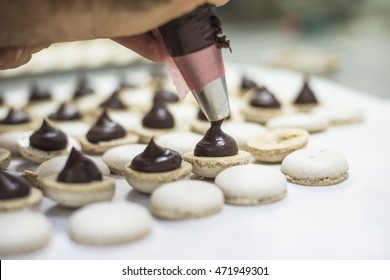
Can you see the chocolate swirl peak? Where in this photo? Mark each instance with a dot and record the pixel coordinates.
(247, 84)
(158, 116)
(12, 186)
(263, 98)
(113, 102)
(15, 117)
(201, 116)
(105, 129)
(167, 96)
(82, 89)
(216, 143)
(66, 112)
(156, 159)
(79, 169)
(38, 94)
(48, 138)
(306, 95)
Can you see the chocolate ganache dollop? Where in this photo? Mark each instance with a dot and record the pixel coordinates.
(38, 94)
(247, 84)
(83, 89)
(113, 102)
(66, 112)
(306, 95)
(105, 129)
(158, 116)
(263, 98)
(12, 186)
(48, 138)
(79, 169)
(15, 117)
(156, 159)
(216, 143)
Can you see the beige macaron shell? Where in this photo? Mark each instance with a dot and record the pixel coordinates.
(182, 142)
(148, 182)
(340, 114)
(209, 167)
(315, 167)
(78, 194)
(5, 158)
(23, 231)
(103, 146)
(107, 223)
(186, 199)
(116, 158)
(275, 145)
(145, 133)
(243, 131)
(251, 184)
(32, 201)
(259, 115)
(39, 156)
(10, 140)
(54, 166)
(310, 122)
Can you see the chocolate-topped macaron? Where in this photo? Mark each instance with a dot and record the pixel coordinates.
(40, 102)
(306, 99)
(105, 134)
(114, 102)
(215, 152)
(246, 85)
(157, 121)
(16, 120)
(262, 106)
(16, 193)
(45, 143)
(66, 112)
(155, 166)
(80, 182)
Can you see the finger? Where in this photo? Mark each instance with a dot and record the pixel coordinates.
(17, 56)
(143, 44)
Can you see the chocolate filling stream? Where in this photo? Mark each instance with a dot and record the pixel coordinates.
(216, 143)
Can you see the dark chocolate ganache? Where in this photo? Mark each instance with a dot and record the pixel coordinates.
(12, 186)
(48, 138)
(113, 102)
(194, 31)
(167, 96)
(79, 169)
(247, 84)
(83, 89)
(38, 94)
(159, 116)
(216, 143)
(263, 98)
(306, 95)
(15, 117)
(105, 129)
(156, 159)
(201, 116)
(66, 112)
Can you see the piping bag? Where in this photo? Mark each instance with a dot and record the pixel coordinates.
(191, 46)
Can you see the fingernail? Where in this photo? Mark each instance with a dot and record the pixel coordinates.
(19, 53)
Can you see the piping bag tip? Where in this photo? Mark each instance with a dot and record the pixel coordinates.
(213, 100)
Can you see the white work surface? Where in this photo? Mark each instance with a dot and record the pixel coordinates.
(350, 220)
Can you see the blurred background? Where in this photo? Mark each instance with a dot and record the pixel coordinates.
(347, 41)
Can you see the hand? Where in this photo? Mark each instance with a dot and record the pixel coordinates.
(42, 22)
